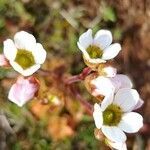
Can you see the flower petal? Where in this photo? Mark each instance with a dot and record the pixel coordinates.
(95, 61)
(10, 50)
(139, 104)
(13, 96)
(97, 115)
(121, 81)
(39, 54)
(26, 72)
(131, 122)
(22, 91)
(85, 53)
(24, 40)
(103, 85)
(111, 51)
(16, 67)
(114, 134)
(110, 71)
(107, 101)
(31, 70)
(117, 145)
(103, 38)
(126, 98)
(86, 39)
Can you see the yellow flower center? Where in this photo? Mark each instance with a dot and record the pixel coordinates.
(94, 51)
(112, 115)
(24, 58)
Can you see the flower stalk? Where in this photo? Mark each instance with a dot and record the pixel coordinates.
(76, 78)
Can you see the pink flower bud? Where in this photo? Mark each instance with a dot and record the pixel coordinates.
(3, 61)
(23, 90)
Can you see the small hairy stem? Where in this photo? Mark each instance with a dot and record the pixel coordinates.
(85, 103)
(73, 89)
(86, 71)
(76, 78)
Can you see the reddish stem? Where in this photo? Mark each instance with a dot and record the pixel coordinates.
(145, 130)
(44, 72)
(86, 71)
(84, 102)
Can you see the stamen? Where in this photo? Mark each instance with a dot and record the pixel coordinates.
(94, 51)
(112, 115)
(24, 58)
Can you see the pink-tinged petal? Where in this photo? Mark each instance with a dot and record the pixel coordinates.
(131, 122)
(114, 134)
(23, 91)
(95, 92)
(3, 61)
(85, 39)
(139, 104)
(111, 51)
(121, 81)
(97, 115)
(10, 49)
(103, 38)
(126, 98)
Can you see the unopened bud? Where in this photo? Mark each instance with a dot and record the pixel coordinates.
(23, 90)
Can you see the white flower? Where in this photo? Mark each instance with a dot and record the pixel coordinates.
(23, 90)
(108, 86)
(98, 49)
(105, 85)
(24, 54)
(115, 116)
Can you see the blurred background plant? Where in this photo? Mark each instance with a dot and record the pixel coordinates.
(55, 120)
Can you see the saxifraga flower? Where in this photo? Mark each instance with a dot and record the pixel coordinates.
(24, 54)
(115, 116)
(98, 49)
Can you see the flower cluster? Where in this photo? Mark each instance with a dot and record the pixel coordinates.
(25, 56)
(115, 94)
(116, 98)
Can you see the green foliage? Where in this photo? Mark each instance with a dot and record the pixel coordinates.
(117, 33)
(3, 72)
(109, 14)
(84, 137)
(16, 146)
